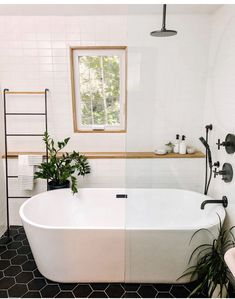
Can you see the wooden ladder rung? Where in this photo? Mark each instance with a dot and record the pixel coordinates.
(25, 92)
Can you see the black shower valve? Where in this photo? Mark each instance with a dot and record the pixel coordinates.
(226, 172)
(229, 143)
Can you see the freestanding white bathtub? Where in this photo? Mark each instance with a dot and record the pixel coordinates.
(96, 237)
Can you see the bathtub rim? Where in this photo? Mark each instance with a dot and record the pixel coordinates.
(125, 227)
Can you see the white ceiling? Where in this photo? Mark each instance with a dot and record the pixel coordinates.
(103, 9)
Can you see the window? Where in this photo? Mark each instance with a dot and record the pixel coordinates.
(99, 89)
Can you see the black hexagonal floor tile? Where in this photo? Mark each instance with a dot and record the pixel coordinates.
(131, 295)
(18, 290)
(15, 227)
(162, 287)
(30, 256)
(13, 232)
(19, 259)
(115, 291)
(2, 248)
(191, 286)
(82, 290)
(32, 294)
(12, 271)
(5, 240)
(99, 286)
(6, 283)
(25, 249)
(98, 294)
(65, 295)
(1, 274)
(7, 255)
(164, 295)
(24, 277)
(48, 281)
(14, 245)
(4, 264)
(19, 237)
(25, 242)
(21, 230)
(67, 286)
(50, 291)
(131, 287)
(179, 291)
(29, 266)
(3, 294)
(147, 291)
(36, 284)
(37, 274)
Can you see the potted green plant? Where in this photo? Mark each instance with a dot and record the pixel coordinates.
(210, 270)
(169, 147)
(61, 169)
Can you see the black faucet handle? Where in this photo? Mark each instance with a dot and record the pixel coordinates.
(224, 143)
(215, 172)
(219, 144)
(216, 164)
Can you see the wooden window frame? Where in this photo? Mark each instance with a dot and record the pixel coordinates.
(73, 87)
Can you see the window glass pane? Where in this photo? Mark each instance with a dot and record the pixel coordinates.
(99, 86)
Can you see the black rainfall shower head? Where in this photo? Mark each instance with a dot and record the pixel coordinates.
(163, 32)
(203, 141)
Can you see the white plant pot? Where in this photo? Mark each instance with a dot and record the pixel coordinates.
(169, 149)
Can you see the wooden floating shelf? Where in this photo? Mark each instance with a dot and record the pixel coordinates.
(118, 155)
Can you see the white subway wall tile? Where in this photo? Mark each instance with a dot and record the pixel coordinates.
(219, 104)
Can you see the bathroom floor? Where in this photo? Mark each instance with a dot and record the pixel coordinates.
(19, 277)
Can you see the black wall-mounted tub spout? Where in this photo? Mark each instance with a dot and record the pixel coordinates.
(224, 202)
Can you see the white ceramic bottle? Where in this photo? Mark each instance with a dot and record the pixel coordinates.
(177, 143)
(182, 146)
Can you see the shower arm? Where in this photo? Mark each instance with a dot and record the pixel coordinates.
(164, 17)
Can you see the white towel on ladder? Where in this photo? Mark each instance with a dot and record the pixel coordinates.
(34, 160)
(25, 173)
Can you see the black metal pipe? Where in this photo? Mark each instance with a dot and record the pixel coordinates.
(46, 121)
(164, 17)
(6, 161)
(46, 125)
(206, 174)
(23, 135)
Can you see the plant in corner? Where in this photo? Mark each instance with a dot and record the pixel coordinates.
(210, 270)
(61, 168)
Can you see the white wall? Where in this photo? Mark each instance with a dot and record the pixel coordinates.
(166, 90)
(167, 80)
(220, 98)
(166, 76)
